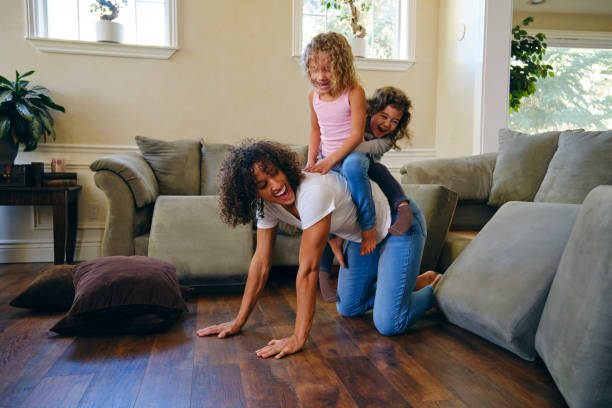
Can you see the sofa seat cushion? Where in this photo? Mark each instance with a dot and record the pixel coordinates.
(176, 164)
(208, 254)
(574, 337)
(521, 165)
(122, 294)
(497, 286)
(581, 163)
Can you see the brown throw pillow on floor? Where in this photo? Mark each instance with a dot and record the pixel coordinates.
(52, 290)
(123, 294)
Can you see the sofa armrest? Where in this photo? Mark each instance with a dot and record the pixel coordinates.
(119, 229)
(471, 177)
(135, 172)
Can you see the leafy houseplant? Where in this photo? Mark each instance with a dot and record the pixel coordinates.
(24, 115)
(106, 29)
(526, 67)
(358, 31)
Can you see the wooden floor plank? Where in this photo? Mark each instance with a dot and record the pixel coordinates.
(59, 392)
(169, 374)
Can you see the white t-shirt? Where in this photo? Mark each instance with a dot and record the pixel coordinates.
(317, 196)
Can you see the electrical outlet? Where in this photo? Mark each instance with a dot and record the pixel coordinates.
(92, 211)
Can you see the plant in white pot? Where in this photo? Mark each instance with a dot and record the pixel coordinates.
(108, 30)
(358, 32)
(24, 116)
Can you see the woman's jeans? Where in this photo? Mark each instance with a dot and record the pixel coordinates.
(384, 280)
(354, 169)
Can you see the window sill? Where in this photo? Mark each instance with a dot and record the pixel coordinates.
(375, 64)
(103, 49)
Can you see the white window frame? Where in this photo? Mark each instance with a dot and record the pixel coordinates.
(407, 51)
(44, 44)
(575, 39)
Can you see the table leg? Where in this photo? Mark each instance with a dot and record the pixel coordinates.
(72, 230)
(60, 210)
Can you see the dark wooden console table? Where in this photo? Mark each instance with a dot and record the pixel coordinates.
(65, 215)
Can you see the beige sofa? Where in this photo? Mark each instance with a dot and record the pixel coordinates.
(162, 202)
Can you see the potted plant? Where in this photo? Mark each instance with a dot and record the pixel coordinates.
(24, 116)
(357, 39)
(108, 30)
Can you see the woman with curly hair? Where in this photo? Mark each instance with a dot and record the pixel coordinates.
(262, 180)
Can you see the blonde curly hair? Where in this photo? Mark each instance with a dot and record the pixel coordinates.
(338, 50)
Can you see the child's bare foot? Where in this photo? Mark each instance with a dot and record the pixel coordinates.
(368, 241)
(403, 221)
(424, 279)
(327, 288)
(335, 243)
(436, 281)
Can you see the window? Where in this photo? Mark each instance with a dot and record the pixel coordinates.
(578, 96)
(69, 26)
(390, 26)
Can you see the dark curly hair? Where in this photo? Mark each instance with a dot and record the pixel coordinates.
(238, 199)
(390, 95)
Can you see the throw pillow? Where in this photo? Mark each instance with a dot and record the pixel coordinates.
(521, 165)
(123, 294)
(497, 286)
(52, 290)
(176, 164)
(582, 162)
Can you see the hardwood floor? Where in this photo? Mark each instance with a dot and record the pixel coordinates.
(346, 363)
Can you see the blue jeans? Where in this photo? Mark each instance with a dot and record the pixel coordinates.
(354, 169)
(384, 279)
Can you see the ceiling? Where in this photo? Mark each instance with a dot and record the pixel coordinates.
(600, 7)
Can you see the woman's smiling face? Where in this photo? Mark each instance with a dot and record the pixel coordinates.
(272, 184)
(384, 122)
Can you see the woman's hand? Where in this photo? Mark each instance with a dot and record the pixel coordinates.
(281, 348)
(221, 330)
(323, 166)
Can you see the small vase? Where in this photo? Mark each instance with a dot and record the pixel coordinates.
(358, 46)
(109, 31)
(8, 150)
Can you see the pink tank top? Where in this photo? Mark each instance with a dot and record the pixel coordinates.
(334, 121)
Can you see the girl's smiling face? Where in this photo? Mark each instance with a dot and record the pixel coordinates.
(385, 121)
(321, 75)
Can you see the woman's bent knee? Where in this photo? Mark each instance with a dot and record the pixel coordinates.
(349, 310)
(387, 327)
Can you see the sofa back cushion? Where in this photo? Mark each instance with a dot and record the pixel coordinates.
(521, 164)
(176, 164)
(582, 162)
(212, 156)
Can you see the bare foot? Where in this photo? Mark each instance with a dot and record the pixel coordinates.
(335, 243)
(436, 281)
(368, 241)
(424, 279)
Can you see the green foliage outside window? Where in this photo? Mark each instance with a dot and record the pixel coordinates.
(579, 95)
(526, 67)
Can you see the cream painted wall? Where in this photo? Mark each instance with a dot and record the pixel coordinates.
(458, 64)
(233, 77)
(559, 21)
